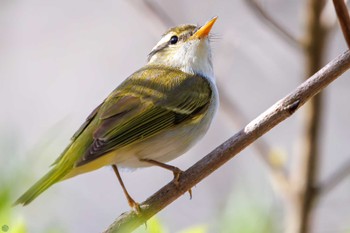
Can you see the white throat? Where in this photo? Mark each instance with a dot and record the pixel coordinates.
(193, 57)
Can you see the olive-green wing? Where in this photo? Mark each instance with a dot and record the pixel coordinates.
(78, 132)
(141, 108)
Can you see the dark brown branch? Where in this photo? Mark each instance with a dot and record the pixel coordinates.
(344, 18)
(277, 27)
(223, 153)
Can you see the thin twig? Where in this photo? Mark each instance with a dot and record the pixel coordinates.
(344, 19)
(333, 180)
(277, 27)
(223, 153)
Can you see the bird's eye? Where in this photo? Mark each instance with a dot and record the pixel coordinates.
(174, 39)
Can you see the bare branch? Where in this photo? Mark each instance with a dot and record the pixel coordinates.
(277, 27)
(223, 153)
(344, 19)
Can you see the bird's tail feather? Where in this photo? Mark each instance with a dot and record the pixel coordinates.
(52, 177)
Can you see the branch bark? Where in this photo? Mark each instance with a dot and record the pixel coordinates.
(223, 153)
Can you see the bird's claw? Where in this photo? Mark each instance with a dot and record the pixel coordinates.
(177, 174)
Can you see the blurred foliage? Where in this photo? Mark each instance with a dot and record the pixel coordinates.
(244, 215)
(8, 222)
(196, 229)
(11, 180)
(9, 147)
(10, 219)
(155, 226)
(152, 226)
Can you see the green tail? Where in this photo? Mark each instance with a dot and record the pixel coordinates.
(52, 177)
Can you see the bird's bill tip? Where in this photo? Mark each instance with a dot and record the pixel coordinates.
(205, 29)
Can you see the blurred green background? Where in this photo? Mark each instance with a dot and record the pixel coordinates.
(59, 59)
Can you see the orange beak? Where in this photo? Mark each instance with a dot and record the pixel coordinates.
(204, 30)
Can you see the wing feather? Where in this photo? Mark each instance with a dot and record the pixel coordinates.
(141, 108)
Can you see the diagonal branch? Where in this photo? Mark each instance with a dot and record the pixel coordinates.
(223, 153)
(344, 18)
(277, 27)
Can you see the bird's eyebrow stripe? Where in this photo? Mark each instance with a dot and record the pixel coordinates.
(159, 48)
(162, 46)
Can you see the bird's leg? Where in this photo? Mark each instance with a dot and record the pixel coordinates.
(133, 204)
(176, 171)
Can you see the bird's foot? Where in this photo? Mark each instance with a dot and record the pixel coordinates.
(176, 171)
(177, 174)
(135, 206)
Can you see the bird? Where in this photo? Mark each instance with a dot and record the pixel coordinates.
(155, 115)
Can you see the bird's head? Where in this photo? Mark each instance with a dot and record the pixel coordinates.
(185, 47)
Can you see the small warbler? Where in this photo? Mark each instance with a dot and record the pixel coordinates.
(154, 116)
